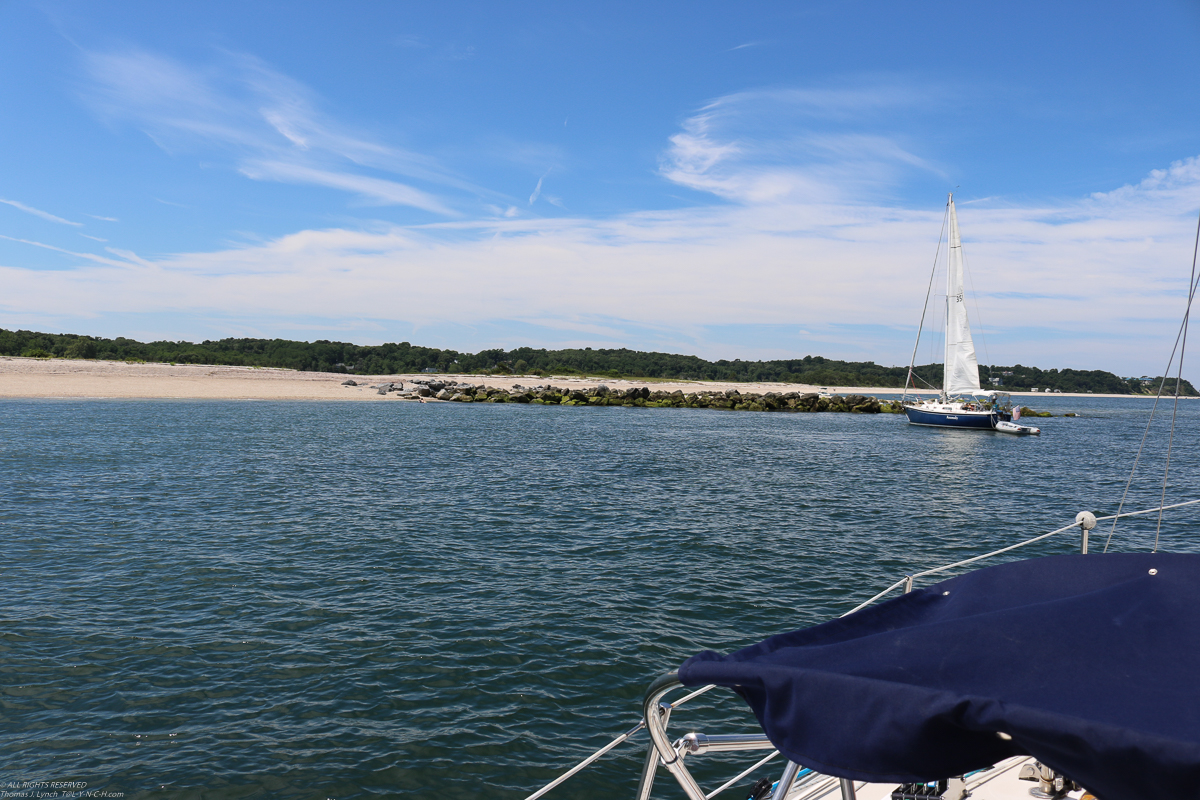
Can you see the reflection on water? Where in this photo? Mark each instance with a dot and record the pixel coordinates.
(344, 600)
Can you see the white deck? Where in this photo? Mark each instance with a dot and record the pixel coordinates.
(998, 783)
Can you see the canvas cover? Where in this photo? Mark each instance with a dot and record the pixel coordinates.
(1090, 663)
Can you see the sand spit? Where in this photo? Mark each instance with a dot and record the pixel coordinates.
(67, 378)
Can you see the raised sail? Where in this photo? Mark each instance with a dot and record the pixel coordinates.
(962, 404)
(962, 368)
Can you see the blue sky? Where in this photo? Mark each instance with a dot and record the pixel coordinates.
(754, 180)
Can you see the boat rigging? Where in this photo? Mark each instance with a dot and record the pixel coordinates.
(962, 403)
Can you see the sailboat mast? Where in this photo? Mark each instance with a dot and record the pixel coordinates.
(952, 242)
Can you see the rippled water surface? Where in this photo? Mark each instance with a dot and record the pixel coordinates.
(252, 599)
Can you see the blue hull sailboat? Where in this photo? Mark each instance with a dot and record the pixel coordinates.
(961, 403)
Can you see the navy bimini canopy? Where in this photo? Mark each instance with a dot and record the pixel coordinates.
(1090, 663)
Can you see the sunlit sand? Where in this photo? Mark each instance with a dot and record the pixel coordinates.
(66, 378)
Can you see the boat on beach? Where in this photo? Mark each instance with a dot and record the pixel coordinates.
(961, 403)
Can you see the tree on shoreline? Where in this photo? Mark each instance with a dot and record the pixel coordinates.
(402, 357)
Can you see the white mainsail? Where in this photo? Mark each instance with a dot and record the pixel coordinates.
(962, 368)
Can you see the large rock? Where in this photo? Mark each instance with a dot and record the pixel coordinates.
(444, 394)
(808, 401)
(349, 383)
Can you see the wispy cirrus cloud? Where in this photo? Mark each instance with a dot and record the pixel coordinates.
(779, 145)
(37, 212)
(86, 256)
(537, 191)
(374, 190)
(266, 123)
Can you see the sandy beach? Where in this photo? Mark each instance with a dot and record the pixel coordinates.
(66, 378)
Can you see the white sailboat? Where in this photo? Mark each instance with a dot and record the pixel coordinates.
(962, 403)
(1066, 672)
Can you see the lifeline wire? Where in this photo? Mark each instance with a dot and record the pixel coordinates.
(1037, 538)
(587, 761)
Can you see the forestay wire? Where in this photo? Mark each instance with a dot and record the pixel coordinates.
(928, 292)
(978, 315)
(1180, 346)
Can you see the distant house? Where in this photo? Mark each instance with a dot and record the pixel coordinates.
(429, 369)
(1034, 389)
(997, 382)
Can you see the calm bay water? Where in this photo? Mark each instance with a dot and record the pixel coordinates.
(253, 599)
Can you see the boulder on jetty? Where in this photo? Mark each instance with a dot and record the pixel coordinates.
(645, 397)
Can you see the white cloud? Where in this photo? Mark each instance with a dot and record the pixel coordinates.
(129, 255)
(807, 239)
(798, 145)
(39, 213)
(537, 190)
(376, 190)
(1113, 265)
(85, 256)
(266, 123)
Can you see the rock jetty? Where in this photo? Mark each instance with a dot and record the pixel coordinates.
(638, 396)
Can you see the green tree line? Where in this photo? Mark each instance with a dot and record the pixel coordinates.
(389, 359)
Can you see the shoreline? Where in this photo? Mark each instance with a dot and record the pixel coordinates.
(60, 378)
